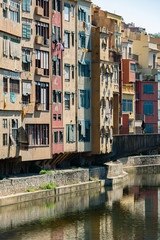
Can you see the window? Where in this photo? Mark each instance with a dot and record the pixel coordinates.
(59, 117)
(72, 39)
(14, 44)
(83, 98)
(56, 137)
(82, 40)
(54, 66)
(66, 40)
(42, 95)
(38, 134)
(59, 67)
(58, 34)
(66, 11)
(5, 84)
(70, 133)
(115, 74)
(14, 86)
(60, 137)
(130, 123)
(58, 5)
(45, 5)
(5, 46)
(148, 88)
(149, 128)
(4, 123)
(148, 108)
(26, 5)
(72, 11)
(42, 61)
(67, 73)
(53, 4)
(72, 98)
(127, 105)
(5, 12)
(15, 129)
(26, 31)
(42, 29)
(5, 139)
(81, 15)
(54, 117)
(133, 67)
(59, 96)
(84, 130)
(84, 69)
(26, 60)
(26, 92)
(72, 72)
(67, 101)
(53, 33)
(14, 11)
(54, 96)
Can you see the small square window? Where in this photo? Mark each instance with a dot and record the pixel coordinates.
(54, 117)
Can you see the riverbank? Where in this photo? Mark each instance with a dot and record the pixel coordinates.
(27, 188)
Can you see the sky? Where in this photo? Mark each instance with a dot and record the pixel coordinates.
(144, 13)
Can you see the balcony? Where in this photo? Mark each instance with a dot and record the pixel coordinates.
(128, 88)
(39, 40)
(39, 11)
(39, 71)
(135, 57)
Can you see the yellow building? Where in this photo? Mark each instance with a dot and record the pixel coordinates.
(25, 69)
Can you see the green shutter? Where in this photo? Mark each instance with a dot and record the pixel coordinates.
(28, 27)
(28, 5)
(24, 5)
(24, 31)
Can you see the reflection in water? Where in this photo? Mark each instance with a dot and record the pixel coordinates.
(124, 212)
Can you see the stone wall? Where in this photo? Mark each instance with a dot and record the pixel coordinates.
(59, 178)
(140, 160)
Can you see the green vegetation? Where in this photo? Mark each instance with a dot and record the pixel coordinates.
(30, 190)
(93, 179)
(45, 172)
(47, 186)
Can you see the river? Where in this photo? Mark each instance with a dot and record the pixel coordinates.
(125, 212)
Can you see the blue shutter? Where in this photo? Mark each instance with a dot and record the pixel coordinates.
(88, 98)
(79, 69)
(79, 41)
(79, 98)
(87, 95)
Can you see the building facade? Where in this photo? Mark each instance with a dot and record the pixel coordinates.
(57, 79)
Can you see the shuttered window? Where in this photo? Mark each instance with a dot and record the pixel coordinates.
(26, 31)
(26, 5)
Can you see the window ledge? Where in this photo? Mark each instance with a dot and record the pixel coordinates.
(38, 146)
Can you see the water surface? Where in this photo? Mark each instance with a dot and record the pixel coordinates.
(131, 211)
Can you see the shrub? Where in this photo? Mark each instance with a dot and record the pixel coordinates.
(48, 186)
(45, 172)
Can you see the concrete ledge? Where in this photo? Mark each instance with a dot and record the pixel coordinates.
(31, 196)
(145, 169)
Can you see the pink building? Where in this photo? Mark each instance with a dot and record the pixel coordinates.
(147, 104)
(57, 83)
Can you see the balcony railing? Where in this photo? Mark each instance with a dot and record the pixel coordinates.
(129, 88)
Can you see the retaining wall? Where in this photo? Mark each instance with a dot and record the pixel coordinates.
(59, 178)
